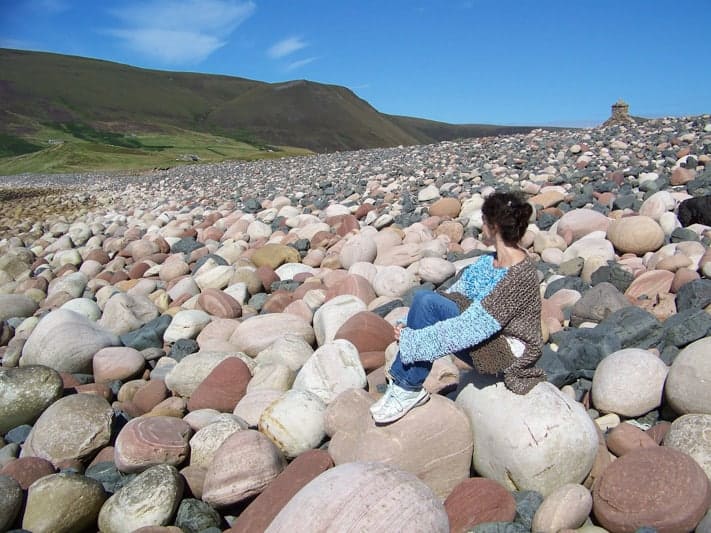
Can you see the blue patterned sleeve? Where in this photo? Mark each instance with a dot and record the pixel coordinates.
(473, 326)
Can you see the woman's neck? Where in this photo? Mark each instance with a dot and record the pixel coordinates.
(506, 255)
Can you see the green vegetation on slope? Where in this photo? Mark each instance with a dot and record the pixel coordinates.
(153, 150)
(12, 145)
(87, 103)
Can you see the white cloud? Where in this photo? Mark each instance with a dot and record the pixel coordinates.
(286, 47)
(170, 46)
(183, 31)
(301, 63)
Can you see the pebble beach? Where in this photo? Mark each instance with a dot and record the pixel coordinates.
(196, 349)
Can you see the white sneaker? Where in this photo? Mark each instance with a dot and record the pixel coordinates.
(396, 402)
(376, 406)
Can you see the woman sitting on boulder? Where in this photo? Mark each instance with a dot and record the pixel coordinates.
(491, 314)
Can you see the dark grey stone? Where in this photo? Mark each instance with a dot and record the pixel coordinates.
(668, 354)
(634, 327)
(18, 434)
(302, 245)
(195, 516)
(251, 205)
(257, 300)
(597, 303)
(557, 371)
(582, 349)
(614, 274)
(527, 503)
(148, 336)
(185, 245)
(83, 379)
(183, 347)
(683, 235)
(686, 326)
(204, 259)
(567, 282)
(108, 475)
(288, 285)
(624, 201)
(694, 295)
(546, 220)
(384, 309)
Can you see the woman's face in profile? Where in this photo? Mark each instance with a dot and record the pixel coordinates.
(488, 233)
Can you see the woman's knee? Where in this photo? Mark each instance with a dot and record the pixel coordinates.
(424, 299)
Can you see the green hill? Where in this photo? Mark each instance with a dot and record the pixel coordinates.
(63, 113)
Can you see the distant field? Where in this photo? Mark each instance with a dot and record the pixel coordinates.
(79, 148)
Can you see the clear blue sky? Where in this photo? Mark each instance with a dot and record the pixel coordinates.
(495, 61)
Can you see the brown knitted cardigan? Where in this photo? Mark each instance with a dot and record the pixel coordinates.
(516, 297)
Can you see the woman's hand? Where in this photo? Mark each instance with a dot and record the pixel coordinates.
(398, 328)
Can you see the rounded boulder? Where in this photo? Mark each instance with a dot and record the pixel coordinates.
(294, 422)
(636, 234)
(66, 341)
(687, 387)
(362, 496)
(559, 437)
(70, 429)
(629, 382)
(25, 393)
(243, 466)
(660, 487)
(52, 503)
(150, 441)
(149, 499)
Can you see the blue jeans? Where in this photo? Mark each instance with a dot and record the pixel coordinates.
(427, 308)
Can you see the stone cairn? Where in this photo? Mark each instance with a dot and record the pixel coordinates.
(620, 114)
(196, 350)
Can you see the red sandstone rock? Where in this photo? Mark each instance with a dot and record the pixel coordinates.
(145, 442)
(627, 438)
(363, 210)
(343, 224)
(367, 331)
(105, 455)
(260, 513)
(220, 304)
(150, 395)
(655, 487)
(478, 500)
(100, 389)
(27, 470)
(277, 302)
(352, 284)
(194, 479)
(267, 276)
(681, 277)
(98, 255)
(372, 360)
(138, 270)
(682, 176)
(658, 431)
(223, 387)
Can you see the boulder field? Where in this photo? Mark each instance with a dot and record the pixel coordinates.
(196, 349)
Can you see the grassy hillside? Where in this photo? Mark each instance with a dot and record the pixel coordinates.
(61, 113)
